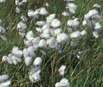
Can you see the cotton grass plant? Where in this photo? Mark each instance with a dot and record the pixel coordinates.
(48, 43)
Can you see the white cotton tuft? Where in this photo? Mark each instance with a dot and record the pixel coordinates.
(62, 37)
(96, 5)
(57, 31)
(40, 23)
(45, 34)
(2, 1)
(23, 18)
(29, 35)
(2, 33)
(37, 61)
(38, 29)
(51, 42)
(63, 83)
(97, 26)
(92, 13)
(21, 26)
(75, 34)
(28, 60)
(42, 43)
(29, 51)
(83, 32)
(34, 75)
(45, 27)
(73, 23)
(65, 13)
(35, 42)
(50, 18)
(55, 23)
(95, 34)
(17, 52)
(20, 2)
(47, 4)
(33, 14)
(5, 81)
(72, 7)
(84, 22)
(3, 77)
(2, 30)
(17, 10)
(62, 70)
(5, 84)
(43, 11)
(14, 57)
